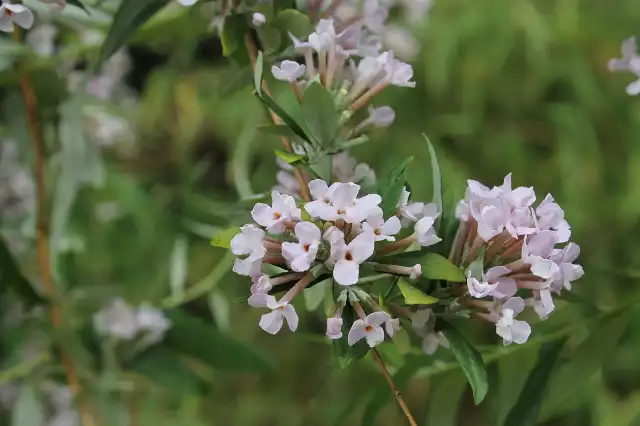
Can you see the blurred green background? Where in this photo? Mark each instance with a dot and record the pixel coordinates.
(502, 86)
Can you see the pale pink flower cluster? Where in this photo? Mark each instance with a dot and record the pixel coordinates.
(509, 246)
(342, 233)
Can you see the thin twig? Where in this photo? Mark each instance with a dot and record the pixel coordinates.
(43, 232)
(302, 183)
(392, 386)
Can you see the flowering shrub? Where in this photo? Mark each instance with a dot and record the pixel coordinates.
(409, 282)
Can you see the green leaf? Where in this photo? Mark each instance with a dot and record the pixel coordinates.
(223, 238)
(322, 167)
(525, 410)
(169, 371)
(393, 189)
(438, 267)
(234, 29)
(288, 157)
(414, 296)
(346, 354)
(319, 114)
(270, 38)
(193, 337)
(179, 266)
(436, 178)
(294, 22)
(28, 410)
(382, 395)
(130, 16)
(469, 359)
(11, 277)
(586, 360)
(269, 102)
(313, 296)
(278, 129)
(9, 52)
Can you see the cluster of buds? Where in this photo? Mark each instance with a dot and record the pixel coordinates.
(343, 233)
(508, 248)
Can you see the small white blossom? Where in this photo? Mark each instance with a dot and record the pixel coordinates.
(289, 71)
(339, 202)
(409, 212)
(348, 257)
(280, 311)
(334, 328)
(324, 36)
(258, 19)
(399, 73)
(346, 169)
(493, 283)
(273, 217)
(382, 230)
(378, 117)
(369, 329)
(118, 320)
(391, 326)
(187, 2)
(300, 255)
(261, 284)
(551, 217)
(510, 329)
(14, 13)
(542, 301)
(432, 341)
(425, 233)
(422, 322)
(152, 321)
(42, 39)
(247, 268)
(333, 234)
(416, 271)
(567, 271)
(630, 62)
(535, 252)
(250, 241)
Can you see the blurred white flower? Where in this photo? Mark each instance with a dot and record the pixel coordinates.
(391, 326)
(630, 62)
(42, 39)
(152, 321)
(118, 319)
(273, 217)
(258, 19)
(187, 2)
(334, 328)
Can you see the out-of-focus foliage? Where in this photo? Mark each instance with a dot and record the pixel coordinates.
(502, 86)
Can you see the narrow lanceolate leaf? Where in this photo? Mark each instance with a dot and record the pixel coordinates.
(444, 403)
(12, 278)
(586, 360)
(414, 296)
(28, 410)
(223, 238)
(470, 361)
(319, 114)
(234, 29)
(130, 16)
(525, 410)
(437, 267)
(78, 3)
(288, 157)
(393, 189)
(195, 338)
(436, 178)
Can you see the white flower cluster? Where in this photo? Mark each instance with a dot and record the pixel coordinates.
(342, 234)
(514, 245)
(121, 321)
(630, 62)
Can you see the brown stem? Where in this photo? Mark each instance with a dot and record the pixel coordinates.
(42, 233)
(296, 91)
(332, 8)
(302, 183)
(367, 96)
(396, 393)
(297, 288)
(405, 242)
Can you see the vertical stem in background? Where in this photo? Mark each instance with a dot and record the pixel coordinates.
(302, 182)
(42, 232)
(387, 376)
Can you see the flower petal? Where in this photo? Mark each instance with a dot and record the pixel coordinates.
(375, 337)
(262, 214)
(307, 232)
(362, 246)
(318, 189)
(271, 322)
(346, 272)
(291, 316)
(376, 319)
(357, 332)
(391, 226)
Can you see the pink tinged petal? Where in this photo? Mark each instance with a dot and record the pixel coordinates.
(246, 267)
(301, 264)
(420, 318)
(318, 189)
(515, 304)
(289, 313)
(496, 272)
(344, 195)
(346, 272)
(362, 247)
(333, 235)
(374, 221)
(520, 332)
(261, 300)
(23, 18)
(307, 232)
(543, 268)
(523, 196)
(633, 88)
(392, 326)
(338, 250)
(262, 285)
(570, 253)
(262, 214)
(6, 23)
(378, 318)
(375, 336)
(546, 306)
(413, 211)
(272, 322)
(431, 210)
(404, 198)
(334, 328)
(279, 74)
(276, 227)
(479, 289)
(357, 332)
(391, 226)
(507, 288)
(320, 209)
